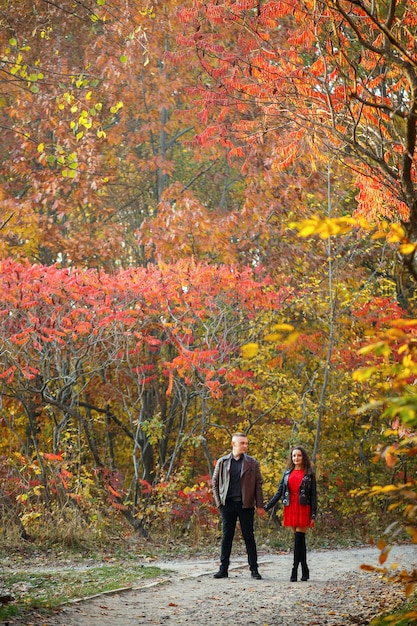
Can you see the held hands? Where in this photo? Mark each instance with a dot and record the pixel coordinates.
(261, 511)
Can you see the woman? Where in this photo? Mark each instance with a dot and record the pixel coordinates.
(297, 490)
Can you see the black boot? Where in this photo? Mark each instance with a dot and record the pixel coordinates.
(297, 556)
(222, 573)
(303, 559)
(255, 574)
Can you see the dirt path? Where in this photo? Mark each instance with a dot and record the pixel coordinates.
(338, 594)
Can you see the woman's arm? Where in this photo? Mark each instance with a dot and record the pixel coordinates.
(277, 496)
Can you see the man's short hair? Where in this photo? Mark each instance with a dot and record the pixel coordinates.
(239, 435)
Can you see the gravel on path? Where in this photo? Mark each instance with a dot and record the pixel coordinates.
(338, 593)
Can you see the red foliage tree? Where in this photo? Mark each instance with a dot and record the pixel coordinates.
(327, 78)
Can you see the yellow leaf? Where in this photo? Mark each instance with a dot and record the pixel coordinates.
(363, 223)
(403, 322)
(324, 227)
(292, 337)
(386, 489)
(373, 347)
(273, 337)
(308, 230)
(397, 233)
(380, 234)
(393, 506)
(363, 374)
(408, 248)
(288, 327)
(41, 147)
(249, 350)
(394, 333)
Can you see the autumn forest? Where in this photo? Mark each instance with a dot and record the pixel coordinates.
(208, 223)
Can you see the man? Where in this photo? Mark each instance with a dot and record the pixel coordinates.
(237, 488)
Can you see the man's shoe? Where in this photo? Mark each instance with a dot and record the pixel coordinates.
(222, 573)
(256, 574)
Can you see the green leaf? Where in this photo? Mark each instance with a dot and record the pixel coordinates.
(123, 58)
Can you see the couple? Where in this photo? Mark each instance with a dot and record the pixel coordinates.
(237, 487)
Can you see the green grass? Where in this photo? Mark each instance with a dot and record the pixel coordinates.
(48, 588)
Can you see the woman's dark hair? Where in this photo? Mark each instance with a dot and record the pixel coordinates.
(306, 460)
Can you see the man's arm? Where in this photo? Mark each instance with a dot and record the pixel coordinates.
(215, 483)
(259, 495)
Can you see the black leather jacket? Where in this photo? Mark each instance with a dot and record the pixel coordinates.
(307, 494)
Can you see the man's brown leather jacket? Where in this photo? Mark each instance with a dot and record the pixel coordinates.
(250, 481)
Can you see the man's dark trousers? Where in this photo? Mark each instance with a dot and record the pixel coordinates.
(231, 512)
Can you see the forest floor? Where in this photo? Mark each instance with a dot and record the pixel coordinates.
(338, 593)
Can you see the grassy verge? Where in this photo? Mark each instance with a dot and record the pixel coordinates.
(47, 588)
(406, 615)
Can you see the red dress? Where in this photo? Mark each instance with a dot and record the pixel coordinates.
(296, 514)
